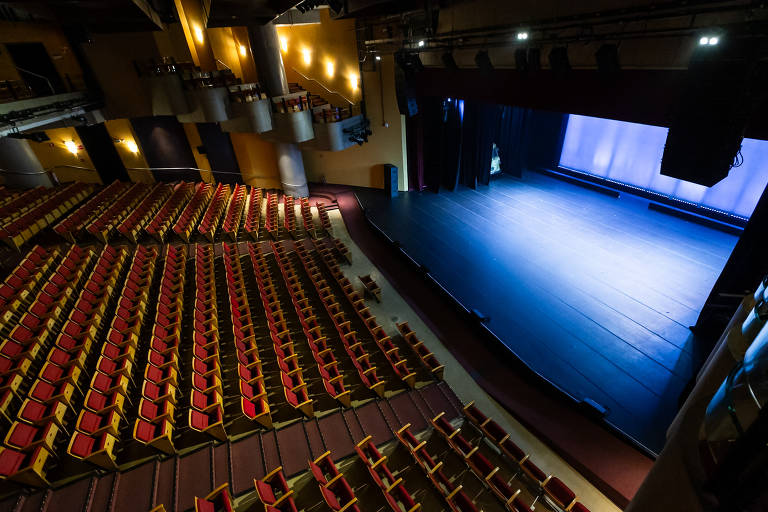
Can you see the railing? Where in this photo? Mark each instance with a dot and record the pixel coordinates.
(51, 171)
(318, 82)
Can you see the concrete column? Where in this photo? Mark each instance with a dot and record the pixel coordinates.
(23, 168)
(291, 166)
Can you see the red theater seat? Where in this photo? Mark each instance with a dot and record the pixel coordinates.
(217, 500)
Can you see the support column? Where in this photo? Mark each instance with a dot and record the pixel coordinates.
(24, 169)
(265, 47)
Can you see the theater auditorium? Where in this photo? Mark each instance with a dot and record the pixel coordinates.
(383, 255)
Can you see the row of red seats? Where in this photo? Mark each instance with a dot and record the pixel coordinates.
(155, 422)
(97, 427)
(336, 491)
(234, 213)
(291, 373)
(165, 216)
(354, 348)
(207, 396)
(131, 227)
(17, 289)
(101, 227)
(306, 217)
(484, 468)
(554, 488)
(289, 213)
(272, 222)
(327, 365)
(253, 390)
(274, 492)
(76, 221)
(29, 442)
(398, 363)
(215, 210)
(24, 226)
(253, 213)
(187, 221)
(325, 220)
(24, 201)
(453, 494)
(395, 492)
(426, 357)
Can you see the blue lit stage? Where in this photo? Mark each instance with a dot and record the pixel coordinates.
(593, 292)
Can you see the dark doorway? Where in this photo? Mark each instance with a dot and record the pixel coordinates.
(221, 155)
(101, 148)
(166, 148)
(36, 68)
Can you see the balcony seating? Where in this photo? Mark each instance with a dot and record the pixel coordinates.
(271, 221)
(234, 212)
(215, 210)
(325, 220)
(289, 215)
(306, 218)
(133, 224)
(191, 214)
(162, 221)
(253, 213)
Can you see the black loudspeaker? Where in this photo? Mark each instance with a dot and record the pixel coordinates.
(724, 84)
(558, 59)
(534, 59)
(407, 66)
(521, 59)
(390, 180)
(483, 61)
(448, 61)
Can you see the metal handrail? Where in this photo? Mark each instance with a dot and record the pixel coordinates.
(305, 77)
(49, 170)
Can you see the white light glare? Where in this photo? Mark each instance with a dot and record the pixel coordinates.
(521, 36)
(378, 57)
(421, 43)
(713, 41)
(708, 40)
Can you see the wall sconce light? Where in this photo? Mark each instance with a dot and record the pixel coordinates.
(284, 43)
(353, 81)
(329, 68)
(243, 51)
(198, 34)
(71, 146)
(132, 146)
(307, 54)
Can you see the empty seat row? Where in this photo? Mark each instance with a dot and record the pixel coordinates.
(325, 220)
(334, 487)
(97, 428)
(291, 372)
(22, 227)
(272, 220)
(397, 496)
(19, 287)
(453, 494)
(210, 220)
(327, 365)
(76, 221)
(155, 422)
(167, 214)
(274, 492)
(24, 201)
(426, 357)
(101, 227)
(342, 249)
(253, 213)
(187, 221)
(289, 213)
(206, 413)
(307, 219)
(555, 489)
(132, 226)
(355, 350)
(397, 361)
(371, 287)
(234, 213)
(43, 412)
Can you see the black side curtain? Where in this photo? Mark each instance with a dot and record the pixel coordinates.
(511, 139)
(479, 131)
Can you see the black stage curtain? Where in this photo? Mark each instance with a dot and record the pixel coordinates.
(451, 142)
(478, 134)
(511, 139)
(432, 133)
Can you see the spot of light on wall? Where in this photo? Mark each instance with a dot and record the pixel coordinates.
(284, 43)
(306, 53)
(378, 57)
(199, 34)
(71, 146)
(132, 146)
(243, 51)
(421, 44)
(353, 82)
(330, 68)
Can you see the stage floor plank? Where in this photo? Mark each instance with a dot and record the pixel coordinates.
(593, 292)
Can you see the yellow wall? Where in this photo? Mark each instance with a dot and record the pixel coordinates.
(54, 41)
(225, 49)
(193, 137)
(120, 129)
(193, 21)
(53, 154)
(330, 41)
(257, 160)
(363, 165)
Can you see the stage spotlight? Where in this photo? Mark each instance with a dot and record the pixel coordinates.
(713, 41)
(704, 41)
(521, 59)
(483, 61)
(421, 43)
(607, 57)
(522, 36)
(558, 59)
(709, 40)
(448, 61)
(378, 57)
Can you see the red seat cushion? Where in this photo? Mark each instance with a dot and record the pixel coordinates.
(10, 461)
(82, 445)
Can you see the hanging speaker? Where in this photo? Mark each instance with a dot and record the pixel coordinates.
(483, 61)
(448, 61)
(521, 59)
(558, 59)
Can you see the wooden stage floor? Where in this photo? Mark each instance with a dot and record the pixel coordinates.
(592, 292)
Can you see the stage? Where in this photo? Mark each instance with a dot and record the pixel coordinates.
(594, 293)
